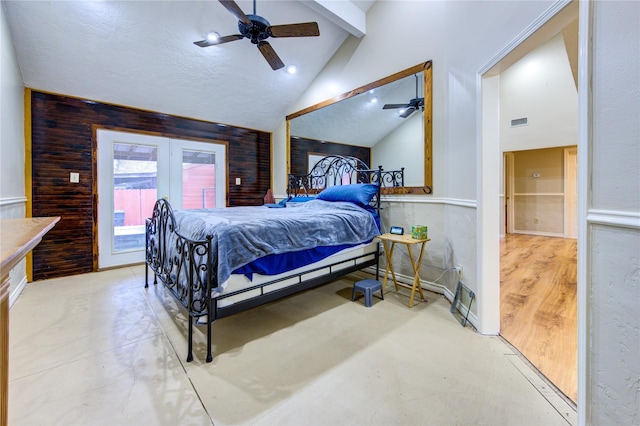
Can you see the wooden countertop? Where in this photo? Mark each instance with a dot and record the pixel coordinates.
(19, 236)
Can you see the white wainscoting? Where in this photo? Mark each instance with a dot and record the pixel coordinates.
(14, 208)
(453, 242)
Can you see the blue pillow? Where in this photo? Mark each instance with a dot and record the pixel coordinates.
(359, 193)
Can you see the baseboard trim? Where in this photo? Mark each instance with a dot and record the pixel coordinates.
(540, 234)
(434, 288)
(13, 297)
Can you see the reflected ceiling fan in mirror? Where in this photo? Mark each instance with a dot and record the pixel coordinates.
(258, 30)
(409, 108)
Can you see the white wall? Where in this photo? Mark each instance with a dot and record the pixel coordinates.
(12, 196)
(540, 87)
(612, 271)
(409, 141)
(460, 37)
(12, 118)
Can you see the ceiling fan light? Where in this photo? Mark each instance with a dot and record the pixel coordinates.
(213, 36)
(292, 69)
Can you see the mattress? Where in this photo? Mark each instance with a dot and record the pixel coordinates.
(234, 286)
(243, 234)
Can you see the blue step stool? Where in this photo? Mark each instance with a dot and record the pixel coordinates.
(367, 287)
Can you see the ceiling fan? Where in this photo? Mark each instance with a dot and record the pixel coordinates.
(258, 30)
(409, 108)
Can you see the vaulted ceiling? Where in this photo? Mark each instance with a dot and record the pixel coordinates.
(142, 54)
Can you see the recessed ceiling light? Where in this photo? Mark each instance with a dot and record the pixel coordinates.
(213, 36)
(292, 69)
(333, 89)
(373, 100)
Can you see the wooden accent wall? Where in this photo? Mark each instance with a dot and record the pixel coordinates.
(301, 146)
(62, 142)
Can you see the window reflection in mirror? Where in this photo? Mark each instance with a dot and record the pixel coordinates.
(388, 120)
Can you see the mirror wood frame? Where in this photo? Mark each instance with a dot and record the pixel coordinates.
(426, 67)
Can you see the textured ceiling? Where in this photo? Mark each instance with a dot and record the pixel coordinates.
(141, 54)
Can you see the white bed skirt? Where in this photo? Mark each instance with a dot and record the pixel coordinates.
(348, 257)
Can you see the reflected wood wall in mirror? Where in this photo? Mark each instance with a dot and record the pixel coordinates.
(357, 118)
(301, 148)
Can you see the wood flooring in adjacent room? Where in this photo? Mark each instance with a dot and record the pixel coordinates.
(538, 304)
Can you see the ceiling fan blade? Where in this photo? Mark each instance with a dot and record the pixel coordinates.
(408, 112)
(305, 29)
(270, 55)
(220, 40)
(395, 106)
(235, 10)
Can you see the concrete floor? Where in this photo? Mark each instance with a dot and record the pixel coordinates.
(100, 349)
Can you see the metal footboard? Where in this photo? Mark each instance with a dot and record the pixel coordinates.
(184, 266)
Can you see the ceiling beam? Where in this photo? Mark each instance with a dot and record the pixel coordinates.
(342, 13)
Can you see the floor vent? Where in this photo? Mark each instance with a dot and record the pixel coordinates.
(519, 122)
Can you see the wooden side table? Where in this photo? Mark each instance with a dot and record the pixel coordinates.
(389, 242)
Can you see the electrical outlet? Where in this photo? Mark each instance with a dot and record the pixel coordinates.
(536, 220)
(459, 270)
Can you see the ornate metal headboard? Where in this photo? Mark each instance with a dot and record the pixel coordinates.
(340, 170)
(330, 171)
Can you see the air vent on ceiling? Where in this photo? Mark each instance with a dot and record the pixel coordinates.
(519, 122)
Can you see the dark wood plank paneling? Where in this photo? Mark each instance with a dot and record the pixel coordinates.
(62, 142)
(301, 146)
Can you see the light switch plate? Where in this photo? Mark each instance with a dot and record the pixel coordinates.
(74, 177)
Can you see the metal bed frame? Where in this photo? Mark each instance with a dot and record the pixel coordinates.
(188, 270)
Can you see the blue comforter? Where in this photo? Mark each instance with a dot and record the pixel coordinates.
(244, 234)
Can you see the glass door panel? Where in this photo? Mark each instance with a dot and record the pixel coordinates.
(198, 180)
(130, 180)
(198, 176)
(135, 191)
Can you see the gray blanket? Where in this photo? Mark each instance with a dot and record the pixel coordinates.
(243, 234)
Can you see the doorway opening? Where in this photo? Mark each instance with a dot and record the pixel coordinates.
(538, 263)
(502, 105)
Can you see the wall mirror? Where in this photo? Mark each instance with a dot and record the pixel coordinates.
(396, 137)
